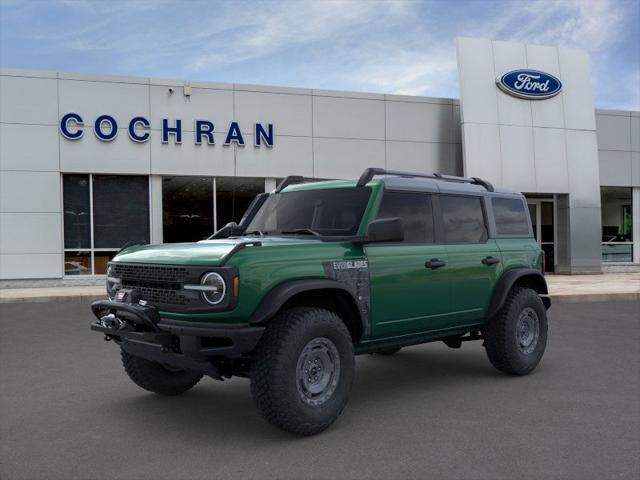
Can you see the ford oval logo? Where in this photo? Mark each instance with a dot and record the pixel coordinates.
(529, 84)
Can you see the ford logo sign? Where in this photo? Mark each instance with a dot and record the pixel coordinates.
(529, 84)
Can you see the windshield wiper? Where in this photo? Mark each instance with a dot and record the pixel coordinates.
(307, 231)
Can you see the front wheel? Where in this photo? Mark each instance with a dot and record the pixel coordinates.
(156, 378)
(302, 370)
(516, 337)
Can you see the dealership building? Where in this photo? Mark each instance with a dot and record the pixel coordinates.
(89, 163)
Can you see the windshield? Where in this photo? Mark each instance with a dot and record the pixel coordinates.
(326, 212)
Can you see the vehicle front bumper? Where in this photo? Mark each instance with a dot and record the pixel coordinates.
(141, 332)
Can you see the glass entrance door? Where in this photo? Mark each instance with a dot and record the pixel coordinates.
(542, 214)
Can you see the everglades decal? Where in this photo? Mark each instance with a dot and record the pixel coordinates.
(529, 84)
(354, 274)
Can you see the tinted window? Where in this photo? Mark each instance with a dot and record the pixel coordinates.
(120, 210)
(463, 219)
(331, 211)
(415, 211)
(510, 216)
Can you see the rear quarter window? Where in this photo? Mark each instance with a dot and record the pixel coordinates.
(510, 216)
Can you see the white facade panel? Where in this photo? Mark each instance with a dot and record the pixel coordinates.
(550, 154)
(191, 159)
(481, 149)
(614, 132)
(123, 101)
(121, 155)
(215, 106)
(477, 80)
(30, 233)
(635, 134)
(615, 168)
(582, 163)
(635, 169)
(576, 89)
(28, 100)
(289, 114)
(293, 156)
(518, 165)
(29, 192)
(550, 112)
(510, 56)
(30, 266)
(348, 118)
(421, 157)
(29, 147)
(346, 158)
(419, 122)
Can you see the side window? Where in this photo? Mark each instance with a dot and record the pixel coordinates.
(415, 211)
(463, 219)
(510, 216)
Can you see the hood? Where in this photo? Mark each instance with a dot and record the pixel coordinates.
(205, 252)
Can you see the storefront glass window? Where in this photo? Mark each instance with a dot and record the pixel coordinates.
(187, 208)
(617, 227)
(77, 221)
(101, 214)
(120, 210)
(233, 196)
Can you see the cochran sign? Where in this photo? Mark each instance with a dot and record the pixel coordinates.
(105, 128)
(529, 84)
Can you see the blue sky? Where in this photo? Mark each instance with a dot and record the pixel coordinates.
(389, 47)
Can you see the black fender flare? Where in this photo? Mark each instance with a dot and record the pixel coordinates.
(273, 301)
(531, 278)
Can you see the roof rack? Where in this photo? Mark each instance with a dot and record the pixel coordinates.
(369, 173)
(290, 180)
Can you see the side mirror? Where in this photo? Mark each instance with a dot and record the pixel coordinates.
(227, 231)
(385, 230)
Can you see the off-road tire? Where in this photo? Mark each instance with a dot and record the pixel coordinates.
(275, 384)
(156, 378)
(501, 333)
(387, 351)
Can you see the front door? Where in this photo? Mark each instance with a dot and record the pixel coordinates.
(410, 292)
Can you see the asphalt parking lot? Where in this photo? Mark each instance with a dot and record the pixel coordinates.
(67, 410)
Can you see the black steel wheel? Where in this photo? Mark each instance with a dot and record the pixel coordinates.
(302, 370)
(516, 337)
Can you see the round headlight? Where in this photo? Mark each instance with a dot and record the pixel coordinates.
(113, 283)
(214, 288)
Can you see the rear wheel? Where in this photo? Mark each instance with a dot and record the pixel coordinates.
(515, 338)
(302, 370)
(156, 378)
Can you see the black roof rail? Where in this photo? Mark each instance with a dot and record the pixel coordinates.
(290, 180)
(369, 173)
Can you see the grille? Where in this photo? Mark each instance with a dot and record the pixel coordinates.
(158, 284)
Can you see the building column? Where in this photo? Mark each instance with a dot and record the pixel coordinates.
(578, 247)
(635, 219)
(269, 184)
(155, 205)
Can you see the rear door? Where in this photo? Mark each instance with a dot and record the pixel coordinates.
(407, 295)
(475, 261)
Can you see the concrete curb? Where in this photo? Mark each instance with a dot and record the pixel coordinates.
(594, 297)
(90, 297)
(51, 298)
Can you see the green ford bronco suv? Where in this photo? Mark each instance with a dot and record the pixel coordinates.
(318, 272)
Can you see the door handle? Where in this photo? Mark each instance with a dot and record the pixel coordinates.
(434, 263)
(490, 260)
